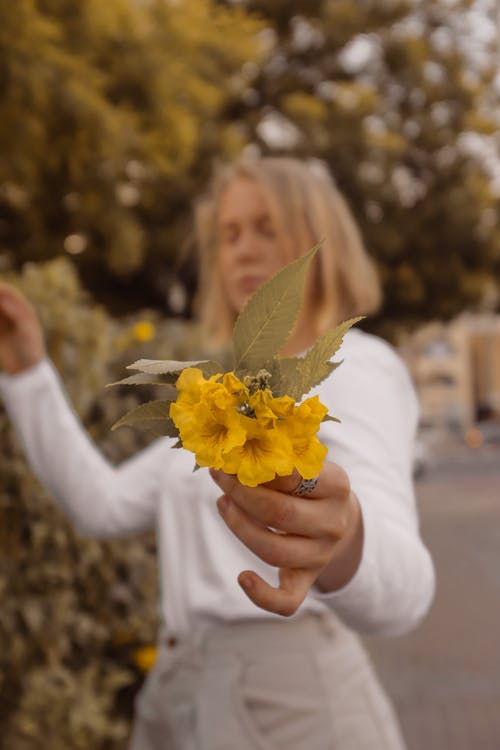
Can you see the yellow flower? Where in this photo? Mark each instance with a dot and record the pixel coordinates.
(260, 403)
(191, 386)
(235, 386)
(308, 455)
(144, 331)
(283, 406)
(207, 416)
(253, 436)
(211, 433)
(301, 428)
(145, 657)
(311, 411)
(268, 409)
(265, 453)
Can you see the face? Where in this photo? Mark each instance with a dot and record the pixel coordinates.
(249, 252)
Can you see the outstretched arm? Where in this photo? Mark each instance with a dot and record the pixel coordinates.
(102, 500)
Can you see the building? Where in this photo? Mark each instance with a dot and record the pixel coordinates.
(456, 370)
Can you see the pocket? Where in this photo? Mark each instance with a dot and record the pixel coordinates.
(282, 705)
(164, 707)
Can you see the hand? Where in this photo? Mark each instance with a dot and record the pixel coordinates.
(318, 538)
(21, 337)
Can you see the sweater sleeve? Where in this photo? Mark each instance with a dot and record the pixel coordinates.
(102, 500)
(373, 396)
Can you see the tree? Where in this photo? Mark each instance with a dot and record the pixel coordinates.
(390, 96)
(113, 114)
(108, 128)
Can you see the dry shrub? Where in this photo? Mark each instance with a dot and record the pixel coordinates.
(73, 609)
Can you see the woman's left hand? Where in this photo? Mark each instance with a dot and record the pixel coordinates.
(317, 538)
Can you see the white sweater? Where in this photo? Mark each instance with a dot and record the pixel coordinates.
(200, 559)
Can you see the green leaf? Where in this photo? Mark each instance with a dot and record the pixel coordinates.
(172, 366)
(146, 379)
(328, 344)
(267, 319)
(287, 376)
(156, 428)
(153, 415)
(329, 418)
(299, 374)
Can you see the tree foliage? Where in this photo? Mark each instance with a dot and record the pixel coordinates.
(390, 96)
(113, 114)
(74, 609)
(109, 115)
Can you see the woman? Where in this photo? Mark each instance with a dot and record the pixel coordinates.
(271, 663)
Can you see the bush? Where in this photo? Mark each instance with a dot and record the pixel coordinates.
(73, 610)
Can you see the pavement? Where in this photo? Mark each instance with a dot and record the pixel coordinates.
(444, 678)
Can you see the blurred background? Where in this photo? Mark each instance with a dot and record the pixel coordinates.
(112, 117)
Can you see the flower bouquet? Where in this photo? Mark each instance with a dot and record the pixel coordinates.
(249, 421)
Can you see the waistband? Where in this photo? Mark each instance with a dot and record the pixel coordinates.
(310, 630)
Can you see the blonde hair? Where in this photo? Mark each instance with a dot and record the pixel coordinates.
(305, 207)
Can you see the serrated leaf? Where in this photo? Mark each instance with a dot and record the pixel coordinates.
(328, 344)
(288, 376)
(308, 373)
(299, 374)
(267, 319)
(173, 366)
(152, 414)
(296, 374)
(143, 378)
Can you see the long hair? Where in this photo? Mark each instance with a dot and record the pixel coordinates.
(305, 207)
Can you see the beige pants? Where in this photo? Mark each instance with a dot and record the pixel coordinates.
(304, 684)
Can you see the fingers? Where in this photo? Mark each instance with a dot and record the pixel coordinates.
(285, 600)
(294, 515)
(278, 550)
(21, 337)
(332, 480)
(13, 304)
(312, 530)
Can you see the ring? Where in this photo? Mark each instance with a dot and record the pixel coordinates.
(305, 487)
